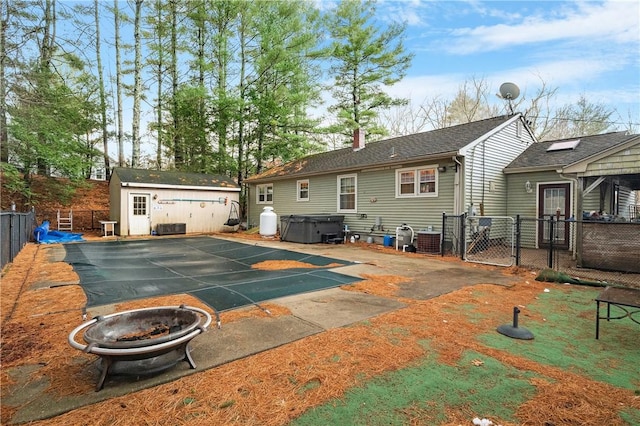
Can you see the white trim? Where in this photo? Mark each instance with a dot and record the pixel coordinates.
(166, 186)
(355, 194)
(266, 193)
(298, 183)
(416, 184)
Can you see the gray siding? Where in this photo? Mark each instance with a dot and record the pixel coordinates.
(376, 201)
(484, 163)
(526, 203)
(624, 162)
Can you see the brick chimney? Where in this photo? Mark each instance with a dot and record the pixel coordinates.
(358, 139)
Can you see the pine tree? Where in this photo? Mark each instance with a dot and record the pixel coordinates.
(364, 59)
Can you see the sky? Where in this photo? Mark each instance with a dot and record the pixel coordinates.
(589, 48)
(579, 48)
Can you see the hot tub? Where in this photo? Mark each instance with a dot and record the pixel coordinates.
(309, 229)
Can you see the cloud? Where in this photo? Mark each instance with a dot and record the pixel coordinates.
(599, 22)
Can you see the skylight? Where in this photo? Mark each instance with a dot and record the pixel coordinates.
(561, 146)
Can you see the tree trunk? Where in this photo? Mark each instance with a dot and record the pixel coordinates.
(119, 131)
(137, 87)
(178, 149)
(103, 103)
(4, 136)
(159, 69)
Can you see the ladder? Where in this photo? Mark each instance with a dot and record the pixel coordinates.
(65, 223)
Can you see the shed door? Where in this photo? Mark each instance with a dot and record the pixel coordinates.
(139, 214)
(553, 198)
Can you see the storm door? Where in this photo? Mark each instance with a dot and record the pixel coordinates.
(553, 199)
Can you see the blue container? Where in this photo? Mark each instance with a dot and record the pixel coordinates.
(388, 240)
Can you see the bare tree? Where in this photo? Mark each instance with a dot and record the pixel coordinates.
(403, 120)
(103, 103)
(119, 127)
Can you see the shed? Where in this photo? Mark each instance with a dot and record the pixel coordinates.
(169, 202)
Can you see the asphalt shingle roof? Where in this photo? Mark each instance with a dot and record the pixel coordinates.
(536, 154)
(173, 178)
(388, 151)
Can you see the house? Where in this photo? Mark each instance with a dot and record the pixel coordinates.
(591, 178)
(168, 202)
(411, 180)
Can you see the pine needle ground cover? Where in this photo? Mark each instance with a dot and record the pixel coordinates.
(435, 362)
(564, 375)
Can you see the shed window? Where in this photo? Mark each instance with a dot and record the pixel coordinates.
(264, 193)
(347, 190)
(417, 182)
(139, 205)
(303, 190)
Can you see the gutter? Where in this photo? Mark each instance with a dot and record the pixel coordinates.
(167, 186)
(399, 163)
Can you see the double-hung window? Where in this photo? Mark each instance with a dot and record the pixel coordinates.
(347, 190)
(264, 193)
(417, 182)
(302, 193)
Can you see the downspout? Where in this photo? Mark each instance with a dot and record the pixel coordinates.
(247, 212)
(458, 199)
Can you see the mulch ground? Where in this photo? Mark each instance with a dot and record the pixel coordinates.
(276, 386)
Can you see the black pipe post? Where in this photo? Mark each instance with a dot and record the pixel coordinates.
(550, 257)
(444, 224)
(518, 240)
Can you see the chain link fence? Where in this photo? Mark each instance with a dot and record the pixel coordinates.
(600, 251)
(490, 240)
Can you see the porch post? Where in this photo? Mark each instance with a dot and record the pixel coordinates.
(578, 217)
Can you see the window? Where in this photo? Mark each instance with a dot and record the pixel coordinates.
(347, 188)
(417, 182)
(264, 193)
(139, 205)
(303, 190)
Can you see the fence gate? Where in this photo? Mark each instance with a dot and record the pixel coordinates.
(490, 240)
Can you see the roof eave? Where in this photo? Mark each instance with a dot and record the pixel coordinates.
(531, 169)
(182, 187)
(385, 164)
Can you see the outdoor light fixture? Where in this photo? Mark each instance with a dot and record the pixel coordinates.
(528, 187)
(442, 169)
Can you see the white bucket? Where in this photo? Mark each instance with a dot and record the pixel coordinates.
(268, 222)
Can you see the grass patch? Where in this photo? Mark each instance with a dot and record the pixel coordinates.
(490, 390)
(566, 338)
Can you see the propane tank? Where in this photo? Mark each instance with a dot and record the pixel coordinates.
(268, 222)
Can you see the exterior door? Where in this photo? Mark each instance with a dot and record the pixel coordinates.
(551, 199)
(139, 214)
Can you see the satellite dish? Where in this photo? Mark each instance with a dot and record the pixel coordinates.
(509, 91)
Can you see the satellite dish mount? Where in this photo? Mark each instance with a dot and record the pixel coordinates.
(510, 92)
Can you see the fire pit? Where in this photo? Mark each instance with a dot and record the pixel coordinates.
(142, 341)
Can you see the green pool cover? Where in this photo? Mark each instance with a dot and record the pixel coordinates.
(216, 271)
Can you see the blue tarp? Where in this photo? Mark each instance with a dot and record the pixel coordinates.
(43, 235)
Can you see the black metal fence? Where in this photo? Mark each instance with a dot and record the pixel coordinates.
(83, 220)
(16, 230)
(588, 248)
